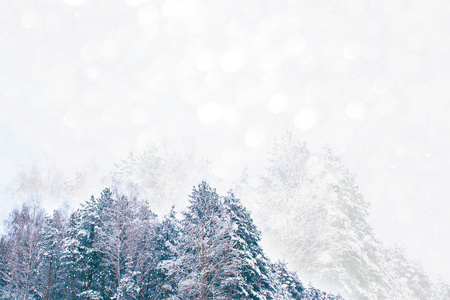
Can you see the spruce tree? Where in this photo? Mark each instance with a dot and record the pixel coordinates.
(50, 255)
(310, 205)
(71, 258)
(204, 255)
(287, 284)
(128, 288)
(252, 277)
(167, 246)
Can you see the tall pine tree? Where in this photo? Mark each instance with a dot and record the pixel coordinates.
(204, 255)
(50, 255)
(309, 204)
(252, 277)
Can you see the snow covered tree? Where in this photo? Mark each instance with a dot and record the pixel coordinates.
(141, 248)
(89, 263)
(207, 262)
(128, 289)
(70, 258)
(205, 249)
(4, 250)
(83, 255)
(325, 231)
(19, 266)
(408, 278)
(441, 290)
(115, 229)
(311, 293)
(287, 284)
(218, 254)
(162, 175)
(50, 255)
(166, 248)
(111, 237)
(112, 249)
(309, 204)
(252, 277)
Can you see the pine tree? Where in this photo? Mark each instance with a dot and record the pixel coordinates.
(441, 290)
(141, 245)
(311, 293)
(110, 242)
(408, 278)
(89, 263)
(50, 255)
(310, 205)
(314, 211)
(128, 289)
(205, 254)
(287, 284)
(251, 278)
(108, 239)
(167, 246)
(71, 258)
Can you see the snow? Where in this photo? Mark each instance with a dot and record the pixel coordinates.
(375, 74)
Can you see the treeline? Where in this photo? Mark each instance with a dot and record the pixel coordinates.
(306, 203)
(115, 247)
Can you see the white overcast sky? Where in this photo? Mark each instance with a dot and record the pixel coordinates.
(84, 82)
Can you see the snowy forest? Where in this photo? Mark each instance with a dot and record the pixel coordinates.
(114, 247)
(205, 246)
(210, 149)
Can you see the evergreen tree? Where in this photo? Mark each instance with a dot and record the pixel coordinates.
(167, 246)
(111, 240)
(89, 263)
(111, 237)
(312, 293)
(141, 245)
(408, 278)
(287, 284)
(128, 288)
(252, 277)
(205, 257)
(71, 258)
(441, 290)
(310, 205)
(50, 255)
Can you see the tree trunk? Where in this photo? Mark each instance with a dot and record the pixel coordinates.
(203, 259)
(48, 281)
(73, 285)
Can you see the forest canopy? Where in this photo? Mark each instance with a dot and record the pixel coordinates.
(115, 247)
(307, 205)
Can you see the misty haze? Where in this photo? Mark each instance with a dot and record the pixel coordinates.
(192, 149)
